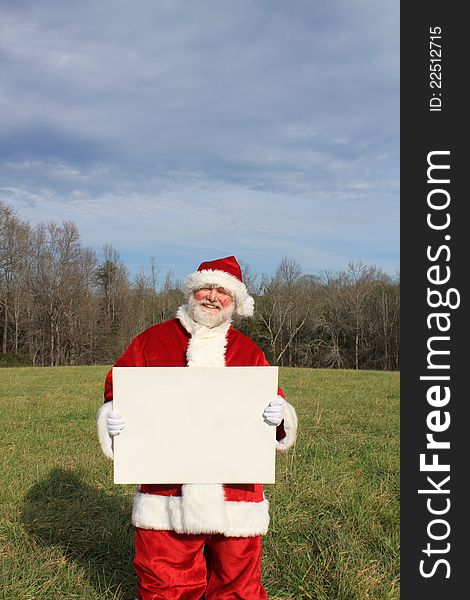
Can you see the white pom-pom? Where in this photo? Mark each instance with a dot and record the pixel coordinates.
(247, 308)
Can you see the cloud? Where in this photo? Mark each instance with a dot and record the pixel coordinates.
(242, 122)
(203, 216)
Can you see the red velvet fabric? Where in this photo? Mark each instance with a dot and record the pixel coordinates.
(165, 345)
(228, 264)
(175, 566)
(235, 492)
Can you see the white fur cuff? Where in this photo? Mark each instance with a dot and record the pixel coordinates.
(290, 427)
(102, 429)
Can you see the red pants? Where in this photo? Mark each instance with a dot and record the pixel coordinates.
(178, 566)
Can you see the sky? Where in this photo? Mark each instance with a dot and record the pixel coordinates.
(188, 131)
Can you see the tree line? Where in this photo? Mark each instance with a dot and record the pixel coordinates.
(62, 304)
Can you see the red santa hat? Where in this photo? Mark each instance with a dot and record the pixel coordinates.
(226, 273)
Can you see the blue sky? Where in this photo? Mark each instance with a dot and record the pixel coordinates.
(188, 131)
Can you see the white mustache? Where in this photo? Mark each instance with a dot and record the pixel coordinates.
(210, 303)
(209, 318)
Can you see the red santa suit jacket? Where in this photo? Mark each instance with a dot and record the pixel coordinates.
(231, 509)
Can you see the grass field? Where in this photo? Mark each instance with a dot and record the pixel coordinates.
(65, 529)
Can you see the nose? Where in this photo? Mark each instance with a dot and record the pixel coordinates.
(212, 294)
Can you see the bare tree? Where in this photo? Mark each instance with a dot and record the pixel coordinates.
(14, 249)
(59, 304)
(282, 310)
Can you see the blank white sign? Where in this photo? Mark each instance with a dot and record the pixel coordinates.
(194, 425)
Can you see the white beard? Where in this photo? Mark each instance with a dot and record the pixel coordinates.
(204, 317)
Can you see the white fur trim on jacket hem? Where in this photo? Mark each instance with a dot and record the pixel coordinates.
(203, 508)
(102, 429)
(290, 427)
(242, 519)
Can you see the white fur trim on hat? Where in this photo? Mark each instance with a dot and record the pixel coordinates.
(244, 303)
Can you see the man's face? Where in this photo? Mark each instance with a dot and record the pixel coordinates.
(211, 306)
(213, 298)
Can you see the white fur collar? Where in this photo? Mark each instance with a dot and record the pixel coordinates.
(206, 347)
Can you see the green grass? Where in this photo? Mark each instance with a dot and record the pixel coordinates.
(65, 529)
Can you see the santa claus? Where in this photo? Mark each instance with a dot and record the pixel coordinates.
(200, 540)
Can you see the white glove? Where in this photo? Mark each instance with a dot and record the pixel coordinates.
(115, 423)
(274, 412)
